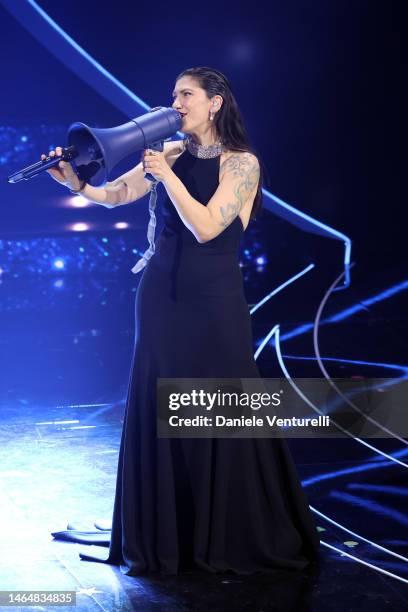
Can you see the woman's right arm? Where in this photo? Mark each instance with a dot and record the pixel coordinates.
(127, 188)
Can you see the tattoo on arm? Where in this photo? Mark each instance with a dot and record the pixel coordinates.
(245, 168)
(115, 191)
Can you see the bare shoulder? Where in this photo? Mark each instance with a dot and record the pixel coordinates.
(239, 163)
(172, 148)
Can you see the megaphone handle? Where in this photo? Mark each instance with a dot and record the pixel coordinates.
(155, 146)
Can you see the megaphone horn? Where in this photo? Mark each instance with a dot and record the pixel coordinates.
(99, 150)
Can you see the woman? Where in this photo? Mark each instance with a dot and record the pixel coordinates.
(217, 504)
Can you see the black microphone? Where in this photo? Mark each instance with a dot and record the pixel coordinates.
(49, 162)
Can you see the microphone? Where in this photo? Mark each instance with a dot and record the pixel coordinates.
(30, 171)
(94, 152)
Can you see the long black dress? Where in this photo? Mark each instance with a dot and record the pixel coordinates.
(216, 504)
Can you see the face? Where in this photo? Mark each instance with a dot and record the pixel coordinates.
(192, 102)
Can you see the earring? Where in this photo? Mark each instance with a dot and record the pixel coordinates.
(211, 113)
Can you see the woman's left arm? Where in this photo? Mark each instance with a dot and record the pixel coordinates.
(237, 188)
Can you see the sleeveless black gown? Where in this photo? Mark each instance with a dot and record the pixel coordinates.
(215, 504)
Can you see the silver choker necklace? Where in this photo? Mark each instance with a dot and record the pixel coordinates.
(203, 151)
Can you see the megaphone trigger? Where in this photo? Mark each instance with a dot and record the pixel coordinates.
(155, 146)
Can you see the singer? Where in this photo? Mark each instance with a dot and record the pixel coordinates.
(212, 504)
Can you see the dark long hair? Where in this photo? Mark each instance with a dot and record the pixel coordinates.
(227, 121)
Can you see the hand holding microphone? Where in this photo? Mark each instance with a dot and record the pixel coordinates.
(63, 173)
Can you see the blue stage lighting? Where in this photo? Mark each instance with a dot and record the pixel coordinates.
(59, 264)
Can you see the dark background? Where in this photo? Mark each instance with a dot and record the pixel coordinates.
(320, 85)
